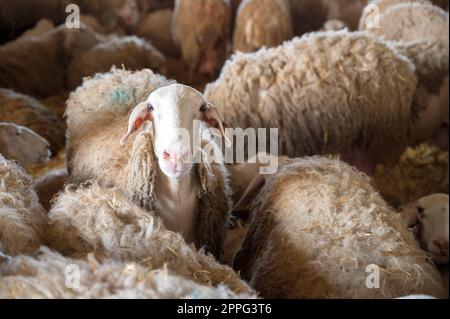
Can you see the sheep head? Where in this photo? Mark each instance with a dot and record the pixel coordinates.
(179, 114)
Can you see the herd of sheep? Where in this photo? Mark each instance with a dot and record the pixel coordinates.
(100, 199)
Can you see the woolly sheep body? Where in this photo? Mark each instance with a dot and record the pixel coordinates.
(22, 218)
(94, 219)
(26, 111)
(305, 85)
(318, 243)
(201, 29)
(97, 115)
(262, 23)
(44, 276)
(155, 27)
(42, 73)
(130, 52)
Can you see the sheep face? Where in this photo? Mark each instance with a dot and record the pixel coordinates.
(22, 144)
(178, 114)
(432, 214)
(129, 12)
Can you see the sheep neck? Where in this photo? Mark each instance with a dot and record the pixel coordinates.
(177, 203)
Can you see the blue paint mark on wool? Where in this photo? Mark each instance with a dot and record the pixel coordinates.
(120, 96)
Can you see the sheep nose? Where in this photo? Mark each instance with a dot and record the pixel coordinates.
(176, 154)
(442, 245)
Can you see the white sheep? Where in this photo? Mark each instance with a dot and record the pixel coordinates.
(336, 92)
(420, 31)
(155, 169)
(93, 219)
(22, 218)
(318, 229)
(262, 23)
(430, 217)
(49, 275)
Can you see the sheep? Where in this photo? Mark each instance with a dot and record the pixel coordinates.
(42, 73)
(319, 91)
(130, 52)
(261, 23)
(22, 144)
(420, 171)
(156, 176)
(56, 103)
(49, 185)
(422, 32)
(26, 111)
(201, 29)
(376, 8)
(92, 219)
(42, 27)
(156, 27)
(22, 218)
(49, 275)
(429, 215)
(335, 238)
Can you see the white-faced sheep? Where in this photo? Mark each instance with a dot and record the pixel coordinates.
(262, 23)
(103, 221)
(201, 29)
(430, 217)
(49, 275)
(156, 27)
(26, 111)
(42, 73)
(23, 145)
(319, 230)
(22, 218)
(327, 93)
(132, 53)
(155, 171)
(421, 33)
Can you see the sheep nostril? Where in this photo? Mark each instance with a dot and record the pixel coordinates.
(166, 155)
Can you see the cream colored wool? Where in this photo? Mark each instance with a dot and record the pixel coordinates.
(262, 23)
(22, 218)
(383, 5)
(93, 219)
(26, 111)
(132, 53)
(156, 28)
(326, 92)
(97, 114)
(422, 170)
(201, 29)
(423, 30)
(46, 276)
(36, 66)
(318, 243)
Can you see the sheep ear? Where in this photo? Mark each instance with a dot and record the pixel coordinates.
(409, 215)
(214, 118)
(139, 115)
(242, 207)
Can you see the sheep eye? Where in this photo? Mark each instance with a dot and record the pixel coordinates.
(150, 107)
(203, 108)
